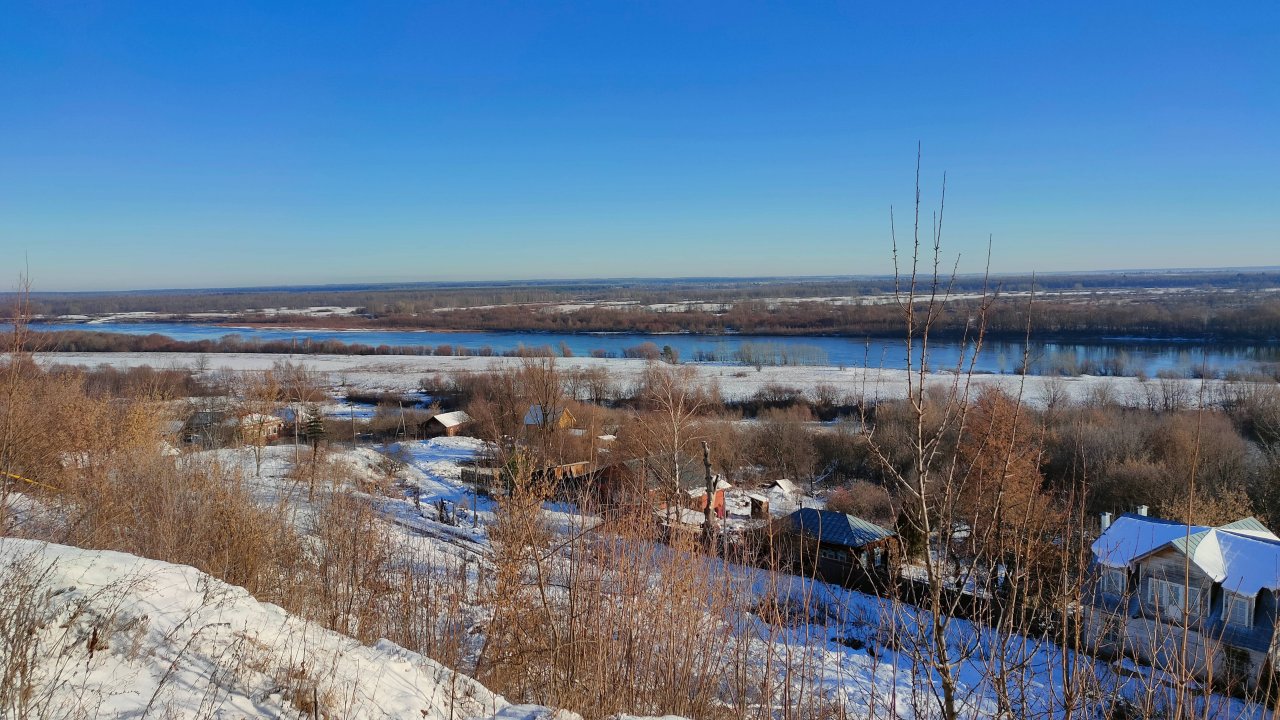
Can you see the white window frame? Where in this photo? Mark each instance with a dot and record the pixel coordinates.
(833, 554)
(1238, 616)
(1113, 580)
(1173, 598)
(1114, 630)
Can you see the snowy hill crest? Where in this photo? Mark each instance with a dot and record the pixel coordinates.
(105, 634)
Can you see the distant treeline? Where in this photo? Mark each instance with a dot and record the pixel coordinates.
(406, 300)
(1215, 317)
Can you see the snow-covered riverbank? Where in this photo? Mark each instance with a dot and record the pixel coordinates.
(398, 373)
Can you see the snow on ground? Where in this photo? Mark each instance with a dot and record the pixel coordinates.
(402, 373)
(119, 636)
(841, 648)
(440, 461)
(849, 652)
(347, 410)
(848, 659)
(882, 298)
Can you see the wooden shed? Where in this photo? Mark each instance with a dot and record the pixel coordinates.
(447, 424)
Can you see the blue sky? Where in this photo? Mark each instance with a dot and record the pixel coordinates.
(148, 145)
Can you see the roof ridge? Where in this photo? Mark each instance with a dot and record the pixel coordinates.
(1159, 521)
(1246, 536)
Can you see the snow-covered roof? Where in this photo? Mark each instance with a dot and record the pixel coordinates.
(1243, 564)
(453, 419)
(289, 414)
(786, 486)
(1250, 526)
(1132, 536)
(1244, 556)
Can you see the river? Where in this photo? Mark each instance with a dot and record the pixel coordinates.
(1116, 357)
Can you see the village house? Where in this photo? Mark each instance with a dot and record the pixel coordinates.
(1159, 586)
(258, 428)
(211, 427)
(838, 548)
(548, 418)
(447, 424)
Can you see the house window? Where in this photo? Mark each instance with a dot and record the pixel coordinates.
(1113, 581)
(830, 554)
(1238, 610)
(1113, 632)
(1173, 598)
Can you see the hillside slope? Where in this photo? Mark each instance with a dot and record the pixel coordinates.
(105, 634)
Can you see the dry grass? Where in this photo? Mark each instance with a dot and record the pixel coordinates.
(611, 619)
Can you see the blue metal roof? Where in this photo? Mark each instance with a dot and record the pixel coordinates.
(836, 528)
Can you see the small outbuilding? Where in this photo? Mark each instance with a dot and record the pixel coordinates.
(785, 486)
(447, 424)
(697, 496)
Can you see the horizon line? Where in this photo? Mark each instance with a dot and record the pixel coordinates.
(385, 285)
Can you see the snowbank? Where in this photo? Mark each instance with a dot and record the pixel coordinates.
(117, 635)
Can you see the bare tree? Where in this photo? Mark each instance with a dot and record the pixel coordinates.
(667, 435)
(259, 393)
(929, 485)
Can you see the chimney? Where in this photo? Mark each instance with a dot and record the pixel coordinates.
(1142, 510)
(1106, 521)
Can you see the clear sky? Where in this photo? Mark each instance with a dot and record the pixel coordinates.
(184, 144)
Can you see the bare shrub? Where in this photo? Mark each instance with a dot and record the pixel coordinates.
(866, 500)
(783, 445)
(352, 561)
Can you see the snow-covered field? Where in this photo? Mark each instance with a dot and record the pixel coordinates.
(882, 298)
(402, 374)
(150, 316)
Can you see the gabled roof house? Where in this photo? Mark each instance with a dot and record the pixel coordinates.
(1159, 584)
